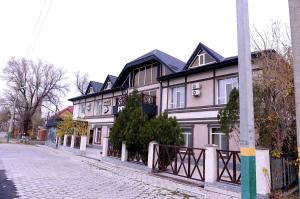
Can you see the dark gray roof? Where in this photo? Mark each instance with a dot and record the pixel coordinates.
(112, 79)
(174, 64)
(171, 62)
(97, 86)
(211, 52)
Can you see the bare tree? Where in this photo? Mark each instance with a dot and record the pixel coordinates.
(33, 84)
(274, 97)
(82, 82)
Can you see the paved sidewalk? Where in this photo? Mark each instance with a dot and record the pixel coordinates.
(43, 172)
(143, 174)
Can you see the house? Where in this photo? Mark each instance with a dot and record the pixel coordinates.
(54, 120)
(101, 108)
(193, 92)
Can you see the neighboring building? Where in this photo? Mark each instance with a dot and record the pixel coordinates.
(53, 121)
(193, 92)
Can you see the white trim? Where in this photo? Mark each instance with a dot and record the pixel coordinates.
(197, 115)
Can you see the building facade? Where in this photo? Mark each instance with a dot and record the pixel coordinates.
(193, 92)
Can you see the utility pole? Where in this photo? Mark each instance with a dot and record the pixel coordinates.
(12, 116)
(294, 6)
(247, 139)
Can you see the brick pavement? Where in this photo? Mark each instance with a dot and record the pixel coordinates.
(41, 172)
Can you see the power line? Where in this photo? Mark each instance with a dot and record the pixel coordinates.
(41, 27)
(35, 27)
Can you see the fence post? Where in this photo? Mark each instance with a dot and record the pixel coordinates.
(210, 163)
(105, 147)
(83, 144)
(151, 152)
(124, 153)
(72, 141)
(65, 140)
(263, 185)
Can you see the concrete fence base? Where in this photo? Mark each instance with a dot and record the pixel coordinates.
(105, 147)
(83, 140)
(124, 152)
(72, 141)
(150, 154)
(65, 140)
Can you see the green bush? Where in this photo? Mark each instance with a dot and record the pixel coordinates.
(133, 126)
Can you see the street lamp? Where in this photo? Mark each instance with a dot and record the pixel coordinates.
(13, 114)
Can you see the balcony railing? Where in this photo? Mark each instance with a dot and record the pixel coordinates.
(146, 99)
(148, 104)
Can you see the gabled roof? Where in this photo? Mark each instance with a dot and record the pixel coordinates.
(229, 61)
(60, 113)
(110, 78)
(209, 51)
(97, 87)
(174, 64)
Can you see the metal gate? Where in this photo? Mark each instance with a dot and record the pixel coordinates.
(180, 161)
(228, 166)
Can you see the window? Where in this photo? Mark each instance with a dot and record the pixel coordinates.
(91, 90)
(145, 75)
(98, 136)
(224, 88)
(188, 137)
(201, 59)
(98, 108)
(108, 85)
(219, 138)
(82, 108)
(177, 97)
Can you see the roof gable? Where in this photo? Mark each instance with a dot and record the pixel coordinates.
(174, 64)
(109, 82)
(201, 56)
(94, 87)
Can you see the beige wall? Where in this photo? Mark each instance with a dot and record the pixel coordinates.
(200, 76)
(206, 94)
(177, 81)
(227, 70)
(200, 138)
(164, 99)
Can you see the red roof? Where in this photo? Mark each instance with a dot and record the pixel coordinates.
(67, 109)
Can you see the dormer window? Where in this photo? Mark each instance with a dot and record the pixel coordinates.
(91, 90)
(202, 59)
(108, 85)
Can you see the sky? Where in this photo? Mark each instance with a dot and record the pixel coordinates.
(99, 37)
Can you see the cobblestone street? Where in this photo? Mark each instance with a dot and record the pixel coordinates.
(40, 173)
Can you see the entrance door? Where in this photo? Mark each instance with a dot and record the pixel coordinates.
(91, 137)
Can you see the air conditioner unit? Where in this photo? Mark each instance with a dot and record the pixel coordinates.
(196, 92)
(195, 86)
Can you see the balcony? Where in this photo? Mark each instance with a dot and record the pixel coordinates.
(148, 104)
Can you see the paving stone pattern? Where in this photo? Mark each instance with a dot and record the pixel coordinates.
(38, 172)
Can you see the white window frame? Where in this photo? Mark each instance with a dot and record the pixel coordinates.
(173, 104)
(228, 80)
(97, 140)
(98, 104)
(220, 134)
(190, 133)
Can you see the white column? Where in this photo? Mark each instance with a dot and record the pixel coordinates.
(65, 140)
(150, 154)
(211, 163)
(83, 139)
(263, 184)
(72, 141)
(124, 154)
(105, 147)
